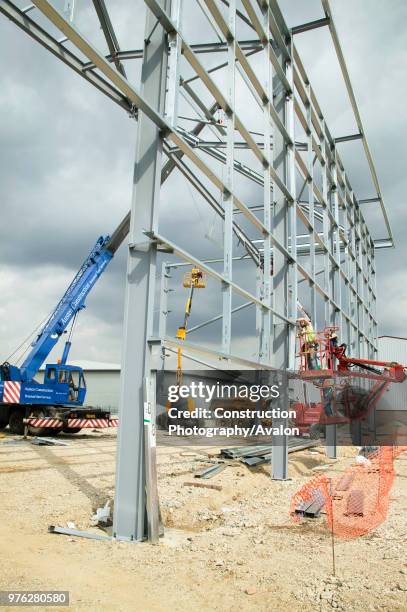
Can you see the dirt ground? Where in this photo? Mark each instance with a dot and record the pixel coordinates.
(231, 549)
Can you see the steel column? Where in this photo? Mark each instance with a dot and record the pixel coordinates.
(229, 183)
(132, 506)
(174, 41)
(281, 228)
(265, 315)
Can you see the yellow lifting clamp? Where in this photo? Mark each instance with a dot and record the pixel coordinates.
(193, 279)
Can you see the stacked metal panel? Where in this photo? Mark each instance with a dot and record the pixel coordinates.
(256, 454)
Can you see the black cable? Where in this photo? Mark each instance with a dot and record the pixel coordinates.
(27, 338)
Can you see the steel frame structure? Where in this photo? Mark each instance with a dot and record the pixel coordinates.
(304, 185)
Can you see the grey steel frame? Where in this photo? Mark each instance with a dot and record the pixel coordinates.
(329, 213)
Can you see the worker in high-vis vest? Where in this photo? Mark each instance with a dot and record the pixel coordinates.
(309, 342)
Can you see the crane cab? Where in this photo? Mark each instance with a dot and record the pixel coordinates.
(68, 382)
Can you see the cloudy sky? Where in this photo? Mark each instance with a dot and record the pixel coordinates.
(66, 163)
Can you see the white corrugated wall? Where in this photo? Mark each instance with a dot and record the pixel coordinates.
(394, 349)
(103, 389)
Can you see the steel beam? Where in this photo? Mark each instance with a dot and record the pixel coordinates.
(240, 15)
(369, 201)
(310, 25)
(349, 138)
(217, 318)
(262, 29)
(100, 62)
(37, 33)
(252, 46)
(345, 74)
(176, 250)
(229, 361)
(109, 33)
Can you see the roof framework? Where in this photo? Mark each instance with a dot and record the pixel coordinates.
(306, 241)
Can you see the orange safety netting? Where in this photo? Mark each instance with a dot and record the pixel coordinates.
(356, 501)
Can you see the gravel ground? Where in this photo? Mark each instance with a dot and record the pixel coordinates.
(231, 549)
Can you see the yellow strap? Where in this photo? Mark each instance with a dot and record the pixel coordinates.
(179, 366)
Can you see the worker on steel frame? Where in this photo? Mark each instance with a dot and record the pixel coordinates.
(309, 342)
(335, 351)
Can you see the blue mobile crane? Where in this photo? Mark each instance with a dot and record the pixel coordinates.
(58, 400)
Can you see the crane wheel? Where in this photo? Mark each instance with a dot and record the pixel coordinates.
(72, 430)
(16, 423)
(41, 431)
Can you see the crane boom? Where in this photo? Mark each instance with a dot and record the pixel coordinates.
(71, 303)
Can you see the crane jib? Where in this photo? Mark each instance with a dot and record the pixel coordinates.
(77, 303)
(72, 301)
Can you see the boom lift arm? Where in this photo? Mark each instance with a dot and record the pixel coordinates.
(195, 279)
(389, 369)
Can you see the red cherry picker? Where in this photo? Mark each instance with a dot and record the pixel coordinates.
(343, 400)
